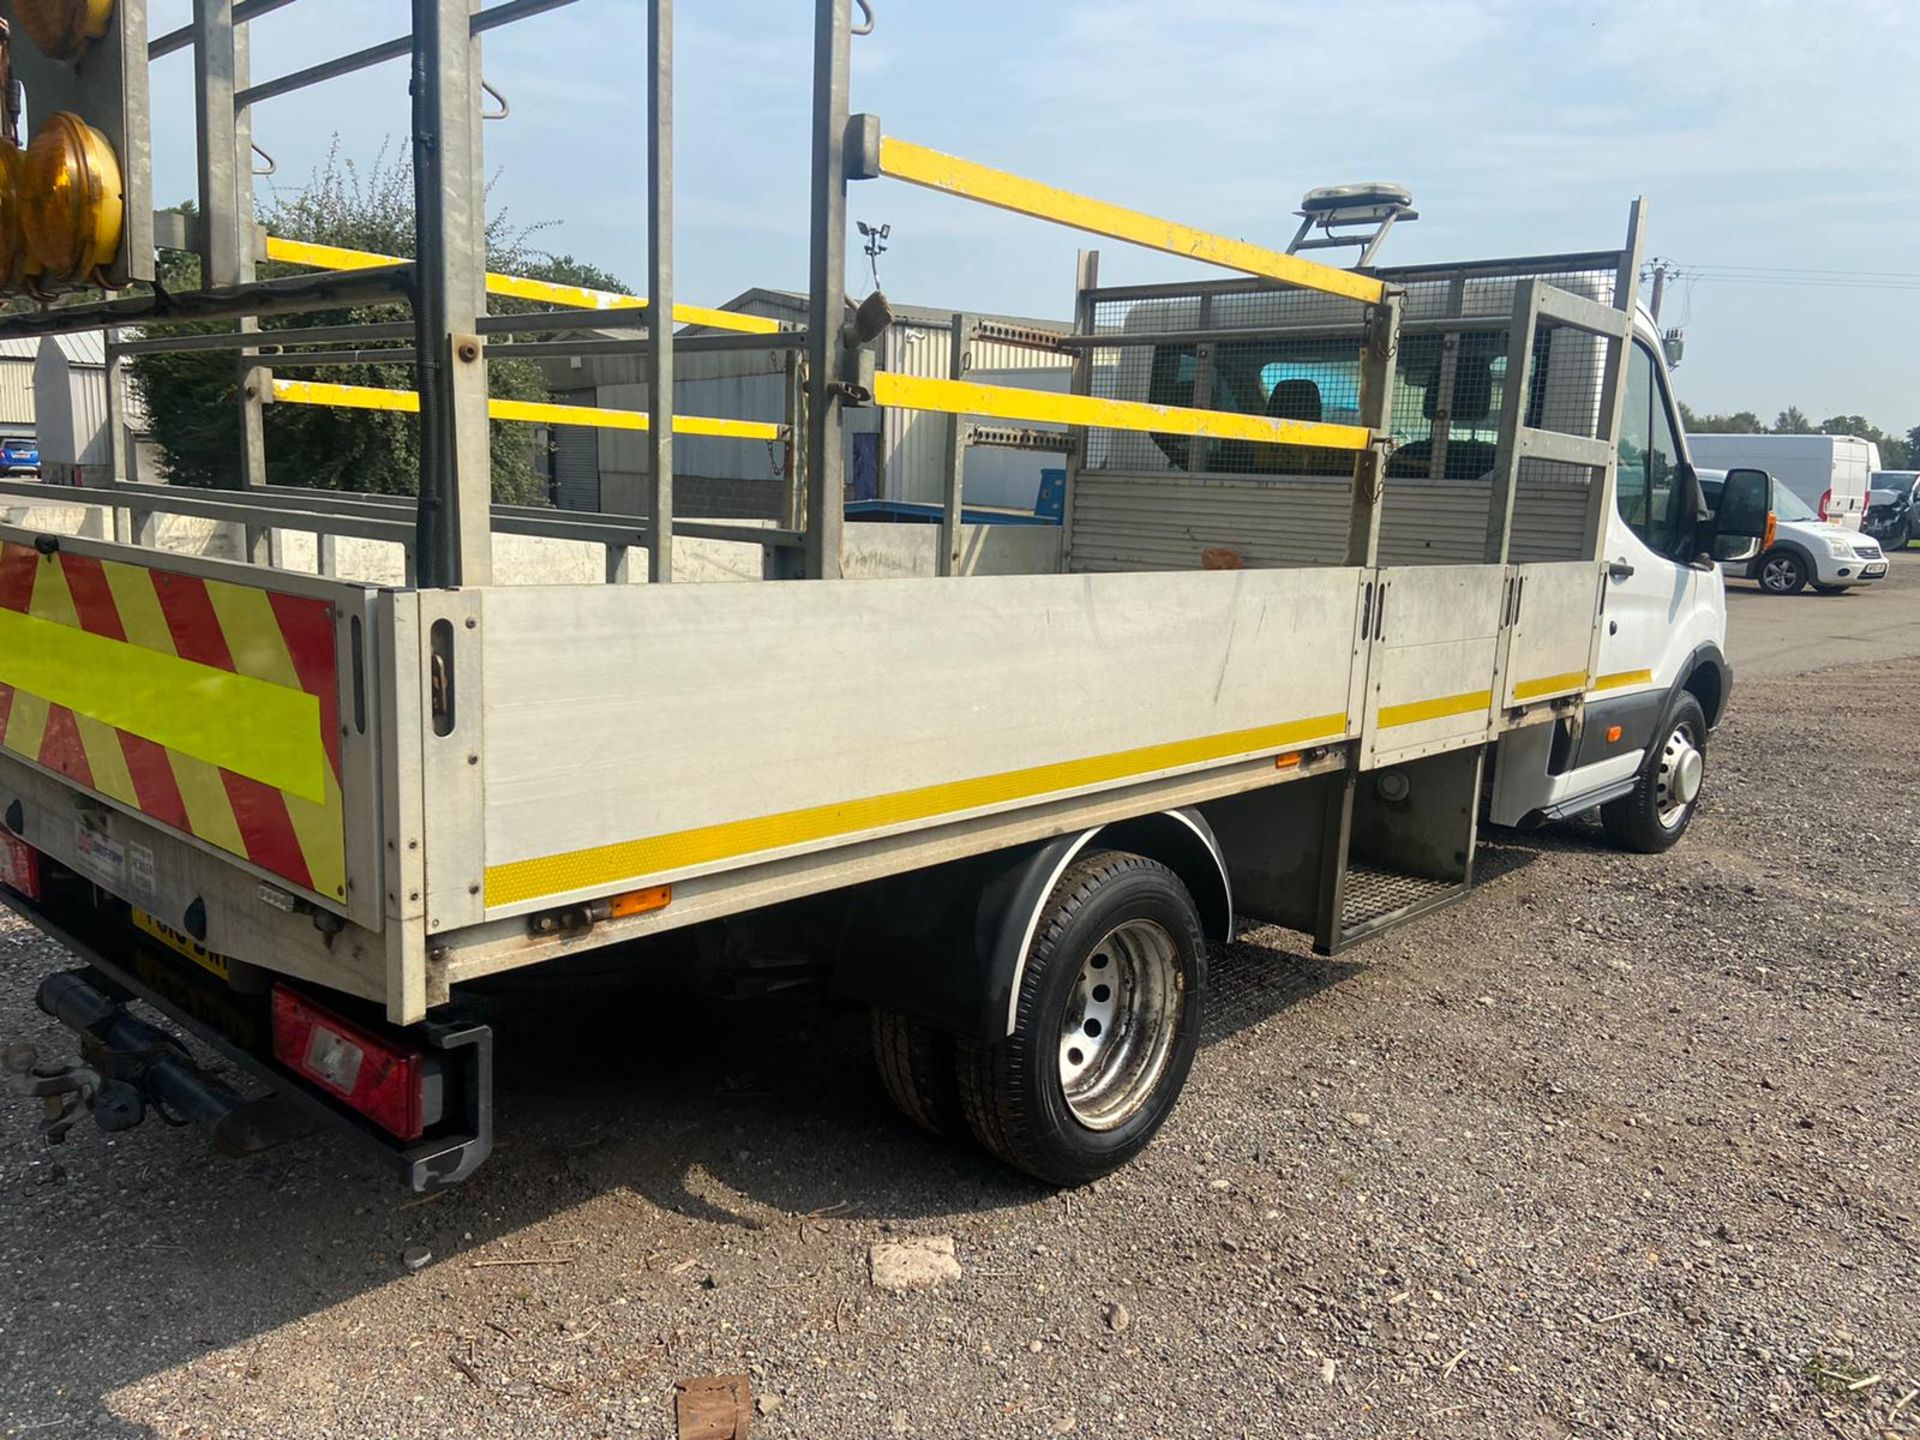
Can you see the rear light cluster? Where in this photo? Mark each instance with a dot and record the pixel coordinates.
(1826, 499)
(19, 866)
(393, 1085)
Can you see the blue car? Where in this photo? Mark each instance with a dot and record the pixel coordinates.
(20, 456)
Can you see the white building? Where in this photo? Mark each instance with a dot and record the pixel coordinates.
(891, 454)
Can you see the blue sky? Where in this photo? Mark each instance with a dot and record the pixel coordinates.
(1769, 134)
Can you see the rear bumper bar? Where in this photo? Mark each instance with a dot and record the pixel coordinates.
(442, 1159)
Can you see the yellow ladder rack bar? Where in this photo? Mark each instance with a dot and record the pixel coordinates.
(545, 292)
(1003, 402)
(370, 397)
(920, 166)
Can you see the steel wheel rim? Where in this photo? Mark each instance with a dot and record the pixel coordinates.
(1682, 767)
(1777, 573)
(1119, 1024)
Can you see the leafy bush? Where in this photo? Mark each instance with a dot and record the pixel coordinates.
(192, 398)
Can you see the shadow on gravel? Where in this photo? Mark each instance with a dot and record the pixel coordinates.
(729, 1114)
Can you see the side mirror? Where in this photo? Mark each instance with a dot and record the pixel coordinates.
(1744, 523)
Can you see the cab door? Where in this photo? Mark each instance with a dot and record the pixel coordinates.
(1654, 608)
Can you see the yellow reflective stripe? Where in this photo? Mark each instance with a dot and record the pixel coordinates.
(1549, 685)
(1003, 402)
(106, 761)
(1620, 679)
(259, 648)
(265, 732)
(1414, 711)
(520, 287)
(348, 397)
(209, 808)
(53, 601)
(27, 724)
(138, 605)
(541, 413)
(533, 412)
(920, 166)
(607, 865)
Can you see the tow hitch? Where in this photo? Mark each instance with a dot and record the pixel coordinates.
(126, 1067)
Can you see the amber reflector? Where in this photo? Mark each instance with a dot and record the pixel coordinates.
(63, 28)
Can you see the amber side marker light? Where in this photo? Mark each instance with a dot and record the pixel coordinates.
(1614, 732)
(73, 207)
(640, 902)
(63, 28)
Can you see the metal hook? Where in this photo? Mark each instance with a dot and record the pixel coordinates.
(273, 165)
(504, 110)
(866, 9)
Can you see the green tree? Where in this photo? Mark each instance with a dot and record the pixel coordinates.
(1792, 421)
(1741, 422)
(192, 398)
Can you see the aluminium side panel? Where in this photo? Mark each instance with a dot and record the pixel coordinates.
(640, 735)
(1550, 642)
(1434, 653)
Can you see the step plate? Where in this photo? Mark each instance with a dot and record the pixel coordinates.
(1372, 896)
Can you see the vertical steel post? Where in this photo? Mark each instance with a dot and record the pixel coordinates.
(454, 539)
(1202, 385)
(1378, 360)
(1086, 280)
(826, 435)
(954, 465)
(1513, 418)
(659, 492)
(226, 215)
(1613, 382)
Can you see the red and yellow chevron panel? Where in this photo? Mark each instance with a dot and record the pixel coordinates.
(210, 707)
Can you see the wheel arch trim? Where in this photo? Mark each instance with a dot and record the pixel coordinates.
(1179, 839)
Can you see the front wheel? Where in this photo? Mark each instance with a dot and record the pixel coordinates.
(1106, 1022)
(1656, 812)
(1781, 572)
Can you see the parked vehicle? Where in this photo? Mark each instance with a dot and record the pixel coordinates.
(1893, 512)
(301, 813)
(19, 455)
(1806, 550)
(1829, 472)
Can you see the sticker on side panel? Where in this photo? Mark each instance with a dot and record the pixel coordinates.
(140, 867)
(100, 855)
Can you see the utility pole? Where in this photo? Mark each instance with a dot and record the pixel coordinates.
(1659, 288)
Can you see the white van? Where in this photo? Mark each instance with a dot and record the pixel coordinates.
(1832, 473)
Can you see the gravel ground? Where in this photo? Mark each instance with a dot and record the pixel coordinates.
(1622, 1147)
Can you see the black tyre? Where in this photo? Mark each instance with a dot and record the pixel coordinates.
(1830, 589)
(1660, 807)
(1106, 1021)
(1781, 572)
(916, 1066)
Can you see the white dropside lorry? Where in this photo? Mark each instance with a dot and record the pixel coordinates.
(1352, 563)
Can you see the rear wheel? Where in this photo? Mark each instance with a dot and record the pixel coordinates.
(1106, 1022)
(1656, 813)
(916, 1066)
(1781, 572)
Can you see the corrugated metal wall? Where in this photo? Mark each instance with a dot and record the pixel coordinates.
(914, 443)
(576, 466)
(16, 392)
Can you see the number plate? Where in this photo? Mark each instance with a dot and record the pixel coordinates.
(1874, 572)
(182, 944)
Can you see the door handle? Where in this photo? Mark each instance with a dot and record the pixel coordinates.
(1618, 570)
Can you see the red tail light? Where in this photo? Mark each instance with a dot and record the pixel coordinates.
(19, 866)
(383, 1081)
(1826, 498)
